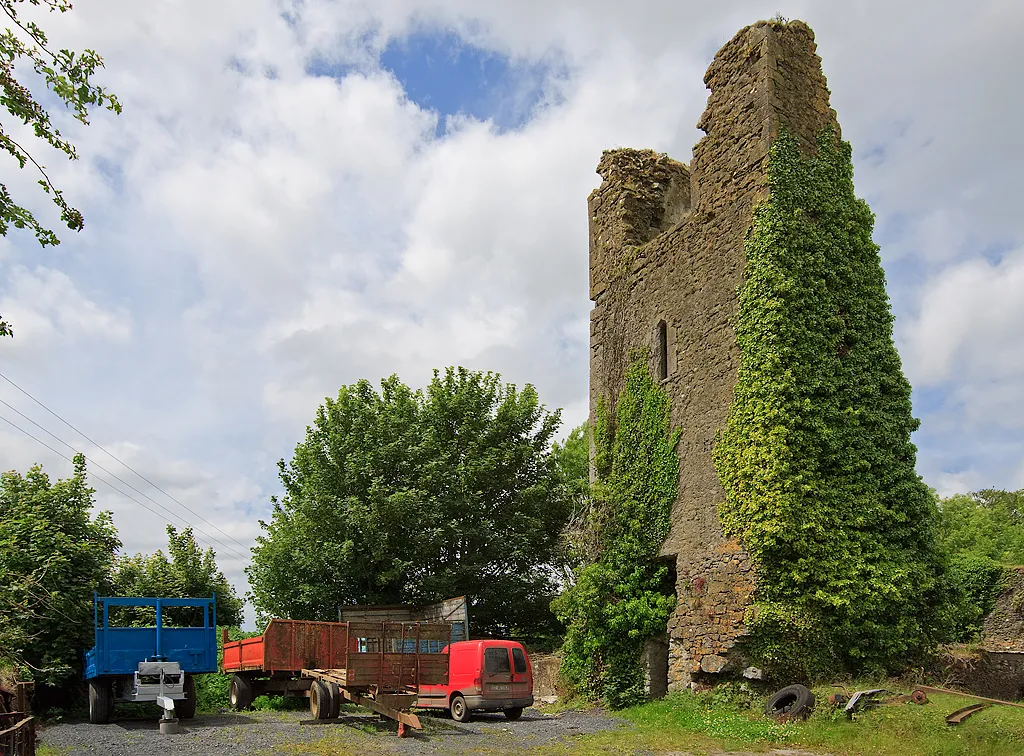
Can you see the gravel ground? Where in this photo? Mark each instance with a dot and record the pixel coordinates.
(271, 732)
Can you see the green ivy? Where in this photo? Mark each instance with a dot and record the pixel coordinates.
(620, 600)
(816, 458)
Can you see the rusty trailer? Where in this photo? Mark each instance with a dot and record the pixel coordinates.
(377, 665)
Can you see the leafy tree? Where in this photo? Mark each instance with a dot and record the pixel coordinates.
(988, 523)
(69, 76)
(572, 459)
(409, 496)
(53, 555)
(189, 572)
(982, 532)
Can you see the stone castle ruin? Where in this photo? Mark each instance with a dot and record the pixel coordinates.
(667, 257)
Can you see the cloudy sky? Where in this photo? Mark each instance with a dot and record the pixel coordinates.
(302, 193)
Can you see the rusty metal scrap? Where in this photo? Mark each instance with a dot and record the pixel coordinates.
(960, 715)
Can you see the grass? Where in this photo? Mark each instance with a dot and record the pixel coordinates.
(711, 722)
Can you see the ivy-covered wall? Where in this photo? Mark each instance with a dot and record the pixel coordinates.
(620, 600)
(757, 259)
(816, 459)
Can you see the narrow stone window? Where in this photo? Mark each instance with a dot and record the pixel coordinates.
(661, 351)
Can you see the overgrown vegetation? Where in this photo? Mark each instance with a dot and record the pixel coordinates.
(982, 532)
(407, 496)
(619, 600)
(816, 458)
(186, 571)
(53, 555)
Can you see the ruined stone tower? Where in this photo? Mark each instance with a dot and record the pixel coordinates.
(666, 260)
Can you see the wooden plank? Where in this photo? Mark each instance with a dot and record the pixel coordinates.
(405, 717)
(968, 695)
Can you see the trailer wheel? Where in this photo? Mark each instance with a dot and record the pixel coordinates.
(335, 691)
(101, 701)
(187, 709)
(514, 713)
(459, 709)
(319, 700)
(240, 693)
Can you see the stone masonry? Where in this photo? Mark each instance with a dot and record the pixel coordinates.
(666, 260)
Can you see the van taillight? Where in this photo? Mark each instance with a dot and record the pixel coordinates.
(478, 684)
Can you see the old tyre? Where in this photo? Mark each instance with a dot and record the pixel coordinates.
(459, 709)
(514, 713)
(335, 692)
(240, 693)
(101, 701)
(319, 700)
(792, 702)
(187, 709)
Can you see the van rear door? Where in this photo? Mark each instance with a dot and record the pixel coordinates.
(522, 680)
(497, 672)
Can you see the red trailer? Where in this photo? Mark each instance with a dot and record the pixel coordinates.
(378, 665)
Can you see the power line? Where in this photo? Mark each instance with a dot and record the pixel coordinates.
(171, 515)
(62, 456)
(121, 462)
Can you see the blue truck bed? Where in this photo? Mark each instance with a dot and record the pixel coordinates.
(118, 650)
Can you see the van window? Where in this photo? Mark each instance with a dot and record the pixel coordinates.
(520, 661)
(496, 661)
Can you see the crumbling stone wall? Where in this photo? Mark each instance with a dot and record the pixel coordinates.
(666, 261)
(1003, 628)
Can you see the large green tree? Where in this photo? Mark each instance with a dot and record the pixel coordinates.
(53, 554)
(572, 459)
(186, 571)
(988, 523)
(982, 533)
(68, 75)
(411, 496)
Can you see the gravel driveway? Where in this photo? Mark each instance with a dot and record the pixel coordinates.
(267, 732)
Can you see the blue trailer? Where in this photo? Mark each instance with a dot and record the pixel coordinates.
(144, 663)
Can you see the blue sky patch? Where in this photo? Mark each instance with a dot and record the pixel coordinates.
(440, 71)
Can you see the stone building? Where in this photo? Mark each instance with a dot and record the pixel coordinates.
(666, 260)
(993, 667)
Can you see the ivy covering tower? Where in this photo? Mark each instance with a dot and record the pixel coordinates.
(799, 536)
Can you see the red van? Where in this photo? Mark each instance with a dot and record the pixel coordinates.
(483, 675)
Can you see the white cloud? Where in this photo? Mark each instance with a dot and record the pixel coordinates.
(258, 235)
(46, 305)
(968, 325)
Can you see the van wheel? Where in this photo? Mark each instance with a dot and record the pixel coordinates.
(514, 713)
(459, 709)
(101, 701)
(240, 693)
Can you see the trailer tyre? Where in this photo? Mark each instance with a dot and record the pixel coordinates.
(101, 701)
(240, 693)
(459, 709)
(335, 691)
(319, 700)
(187, 709)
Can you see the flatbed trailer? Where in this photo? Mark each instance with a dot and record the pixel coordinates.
(377, 665)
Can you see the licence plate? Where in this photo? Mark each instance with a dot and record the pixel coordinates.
(499, 686)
